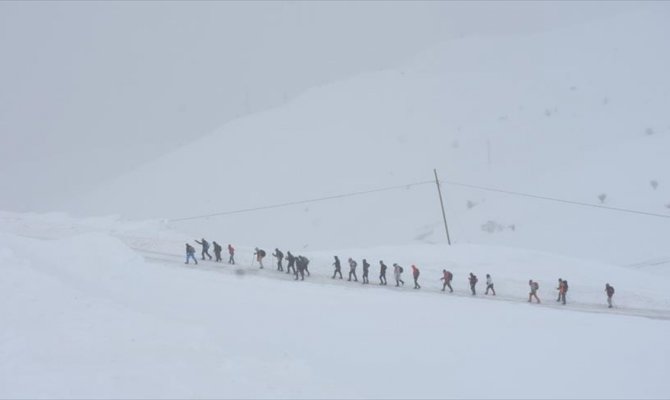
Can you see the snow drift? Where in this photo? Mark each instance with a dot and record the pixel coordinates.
(84, 316)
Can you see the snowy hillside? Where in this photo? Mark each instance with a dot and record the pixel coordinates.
(572, 114)
(100, 308)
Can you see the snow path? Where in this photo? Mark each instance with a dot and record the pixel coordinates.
(270, 272)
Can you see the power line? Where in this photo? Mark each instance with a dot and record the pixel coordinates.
(577, 203)
(409, 185)
(293, 203)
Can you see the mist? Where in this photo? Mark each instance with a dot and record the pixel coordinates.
(90, 91)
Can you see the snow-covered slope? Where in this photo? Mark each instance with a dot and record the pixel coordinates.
(86, 316)
(572, 114)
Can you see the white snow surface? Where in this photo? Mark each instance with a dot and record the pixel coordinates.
(571, 113)
(103, 308)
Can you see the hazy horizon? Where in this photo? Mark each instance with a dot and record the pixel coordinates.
(92, 90)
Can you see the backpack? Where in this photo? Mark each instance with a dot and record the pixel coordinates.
(401, 270)
(280, 254)
(565, 285)
(536, 286)
(261, 253)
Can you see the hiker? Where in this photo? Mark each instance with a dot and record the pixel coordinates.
(190, 254)
(299, 268)
(560, 283)
(217, 251)
(338, 268)
(291, 262)
(352, 269)
(610, 292)
(280, 256)
(473, 281)
(366, 269)
(415, 275)
(231, 252)
(489, 285)
(534, 287)
(397, 273)
(382, 273)
(301, 263)
(305, 265)
(562, 290)
(205, 248)
(447, 277)
(260, 254)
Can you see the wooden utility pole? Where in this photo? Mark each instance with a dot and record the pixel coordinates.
(444, 216)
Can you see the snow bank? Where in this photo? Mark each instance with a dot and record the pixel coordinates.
(86, 317)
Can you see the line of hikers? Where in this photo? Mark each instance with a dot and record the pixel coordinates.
(190, 252)
(299, 265)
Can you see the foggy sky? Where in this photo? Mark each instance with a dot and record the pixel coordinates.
(91, 90)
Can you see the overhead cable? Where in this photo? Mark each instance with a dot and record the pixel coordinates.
(298, 202)
(534, 196)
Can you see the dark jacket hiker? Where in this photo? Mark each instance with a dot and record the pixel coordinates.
(205, 248)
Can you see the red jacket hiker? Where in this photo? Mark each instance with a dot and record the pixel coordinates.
(415, 274)
(231, 251)
(448, 276)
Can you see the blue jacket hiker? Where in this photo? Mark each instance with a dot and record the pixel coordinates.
(190, 253)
